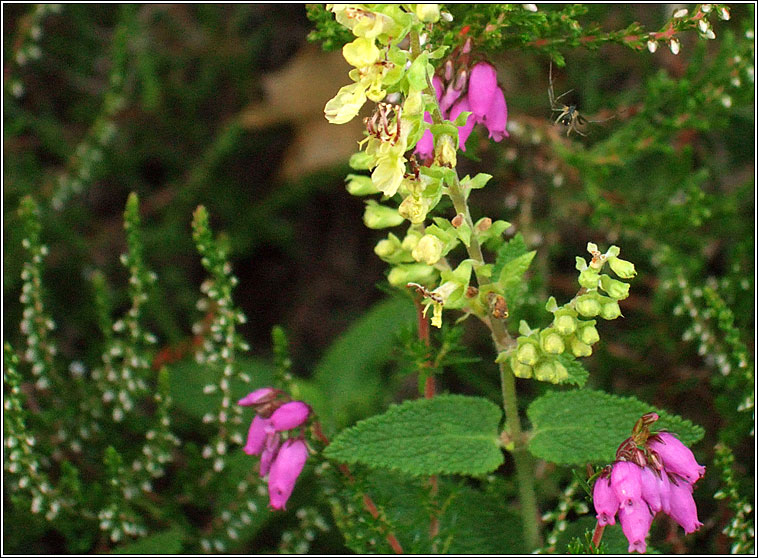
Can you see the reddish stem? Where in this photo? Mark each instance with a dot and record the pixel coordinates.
(368, 503)
(597, 536)
(430, 387)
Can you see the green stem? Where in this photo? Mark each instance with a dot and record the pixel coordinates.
(502, 340)
(522, 459)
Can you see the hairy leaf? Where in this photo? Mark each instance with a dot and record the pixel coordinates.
(405, 504)
(578, 374)
(446, 434)
(586, 426)
(508, 252)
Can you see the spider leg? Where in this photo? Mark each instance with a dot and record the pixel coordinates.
(603, 120)
(563, 94)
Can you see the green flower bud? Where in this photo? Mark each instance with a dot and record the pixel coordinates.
(580, 349)
(428, 250)
(413, 209)
(545, 371)
(428, 13)
(360, 185)
(410, 240)
(615, 289)
(380, 216)
(589, 278)
(587, 305)
(361, 161)
(446, 152)
(588, 333)
(528, 351)
(520, 370)
(610, 310)
(390, 250)
(564, 321)
(622, 268)
(561, 374)
(401, 275)
(551, 341)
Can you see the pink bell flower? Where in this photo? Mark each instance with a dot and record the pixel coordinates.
(626, 482)
(438, 87)
(676, 457)
(605, 501)
(636, 519)
(651, 486)
(465, 130)
(262, 395)
(256, 435)
(270, 450)
(481, 88)
(496, 117)
(284, 472)
(683, 509)
(290, 415)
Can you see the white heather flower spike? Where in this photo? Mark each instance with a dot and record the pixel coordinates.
(680, 13)
(674, 46)
(530, 7)
(652, 46)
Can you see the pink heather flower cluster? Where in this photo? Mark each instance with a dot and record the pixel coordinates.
(474, 91)
(282, 460)
(639, 488)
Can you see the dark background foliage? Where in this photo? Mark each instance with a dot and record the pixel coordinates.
(221, 105)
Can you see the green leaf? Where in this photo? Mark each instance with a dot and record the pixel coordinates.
(462, 118)
(578, 374)
(417, 73)
(165, 542)
(348, 375)
(586, 426)
(464, 233)
(479, 181)
(405, 503)
(514, 269)
(509, 251)
(445, 434)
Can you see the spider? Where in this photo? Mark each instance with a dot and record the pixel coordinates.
(569, 115)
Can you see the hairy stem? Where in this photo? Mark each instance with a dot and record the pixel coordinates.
(521, 457)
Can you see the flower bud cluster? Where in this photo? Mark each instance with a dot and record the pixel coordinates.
(270, 436)
(652, 473)
(573, 330)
